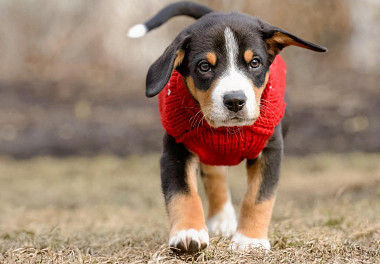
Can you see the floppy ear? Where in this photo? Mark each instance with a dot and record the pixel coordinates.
(277, 39)
(161, 70)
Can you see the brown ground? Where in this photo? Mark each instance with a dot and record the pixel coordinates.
(107, 209)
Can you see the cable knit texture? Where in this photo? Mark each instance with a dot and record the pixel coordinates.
(182, 118)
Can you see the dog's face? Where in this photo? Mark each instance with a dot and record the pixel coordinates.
(226, 72)
(224, 59)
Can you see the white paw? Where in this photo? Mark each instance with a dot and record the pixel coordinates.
(240, 242)
(223, 223)
(189, 240)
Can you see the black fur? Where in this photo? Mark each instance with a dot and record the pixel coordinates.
(160, 71)
(173, 168)
(206, 35)
(272, 156)
(177, 9)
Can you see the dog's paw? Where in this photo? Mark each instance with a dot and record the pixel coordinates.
(240, 242)
(189, 240)
(223, 223)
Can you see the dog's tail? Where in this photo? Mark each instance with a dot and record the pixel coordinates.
(177, 9)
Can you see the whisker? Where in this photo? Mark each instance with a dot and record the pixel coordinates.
(272, 113)
(193, 119)
(266, 101)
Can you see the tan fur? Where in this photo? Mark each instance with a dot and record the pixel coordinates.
(248, 56)
(185, 210)
(191, 172)
(179, 58)
(202, 97)
(211, 58)
(255, 217)
(277, 38)
(284, 40)
(215, 182)
(271, 52)
(258, 92)
(254, 222)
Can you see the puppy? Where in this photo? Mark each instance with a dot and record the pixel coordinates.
(221, 86)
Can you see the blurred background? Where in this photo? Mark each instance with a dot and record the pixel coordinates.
(71, 83)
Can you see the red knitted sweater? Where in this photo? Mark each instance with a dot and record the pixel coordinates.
(182, 119)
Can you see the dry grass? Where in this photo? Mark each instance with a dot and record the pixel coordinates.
(108, 209)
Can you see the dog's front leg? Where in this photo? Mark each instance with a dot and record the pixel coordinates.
(256, 211)
(221, 215)
(179, 185)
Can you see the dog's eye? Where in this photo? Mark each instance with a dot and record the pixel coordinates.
(204, 66)
(255, 63)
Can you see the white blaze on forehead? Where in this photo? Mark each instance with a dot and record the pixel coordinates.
(231, 46)
(232, 79)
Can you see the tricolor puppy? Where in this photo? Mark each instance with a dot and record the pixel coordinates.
(221, 86)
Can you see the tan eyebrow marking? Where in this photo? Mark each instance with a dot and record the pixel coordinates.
(248, 56)
(211, 58)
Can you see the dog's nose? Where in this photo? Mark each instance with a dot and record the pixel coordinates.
(234, 101)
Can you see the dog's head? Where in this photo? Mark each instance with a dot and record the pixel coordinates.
(224, 60)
